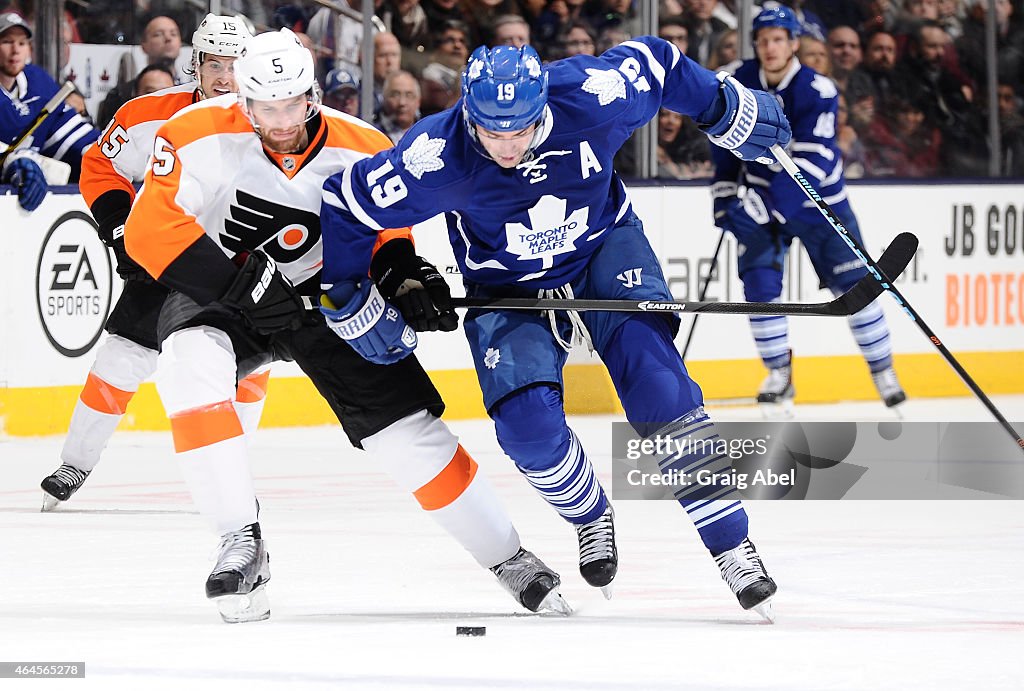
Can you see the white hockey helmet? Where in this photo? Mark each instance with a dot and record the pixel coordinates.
(218, 35)
(275, 66)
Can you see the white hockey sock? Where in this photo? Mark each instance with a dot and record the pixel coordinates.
(424, 458)
(771, 336)
(250, 398)
(872, 335)
(120, 367)
(211, 452)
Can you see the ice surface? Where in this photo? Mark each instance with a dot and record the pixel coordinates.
(367, 591)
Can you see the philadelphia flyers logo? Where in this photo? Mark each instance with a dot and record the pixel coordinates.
(284, 233)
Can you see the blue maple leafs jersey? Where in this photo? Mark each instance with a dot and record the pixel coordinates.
(538, 223)
(810, 102)
(63, 135)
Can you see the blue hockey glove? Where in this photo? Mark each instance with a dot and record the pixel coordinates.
(373, 328)
(752, 123)
(745, 214)
(725, 199)
(25, 175)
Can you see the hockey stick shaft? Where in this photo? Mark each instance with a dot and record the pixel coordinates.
(895, 258)
(886, 282)
(703, 293)
(51, 105)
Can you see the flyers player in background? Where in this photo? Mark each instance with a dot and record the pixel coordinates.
(228, 219)
(127, 356)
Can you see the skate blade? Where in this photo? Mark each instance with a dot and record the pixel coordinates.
(608, 590)
(554, 602)
(238, 609)
(766, 611)
(777, 411)
(50, 502)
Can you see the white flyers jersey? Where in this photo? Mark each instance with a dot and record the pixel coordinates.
(210, 176)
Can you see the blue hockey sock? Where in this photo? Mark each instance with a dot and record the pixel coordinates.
(531, 428)
(715, 510)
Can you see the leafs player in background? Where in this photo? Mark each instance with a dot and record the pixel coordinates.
(128, 355)
(63, 135)
(228, 219)
(522, 166)
(772, 210)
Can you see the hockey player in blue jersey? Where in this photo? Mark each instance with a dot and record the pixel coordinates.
(765, 210)
(522, 168)
(26, 89)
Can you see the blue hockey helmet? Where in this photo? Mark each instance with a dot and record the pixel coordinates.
(778, 17)
(504, 89)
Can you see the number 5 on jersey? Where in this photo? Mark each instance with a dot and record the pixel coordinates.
(163, 157)
(390, 191)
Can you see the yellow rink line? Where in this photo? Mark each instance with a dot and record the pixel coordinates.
(293, 401)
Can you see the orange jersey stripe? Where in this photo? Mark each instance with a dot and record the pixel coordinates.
(104, 398)
(199, 427)
(347, 132)
(253, 388)
(449, 484)
(158, 229)
(99, 173)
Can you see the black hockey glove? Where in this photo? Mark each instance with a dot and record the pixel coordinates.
(266, 298)
(414, 286)
(111, 220)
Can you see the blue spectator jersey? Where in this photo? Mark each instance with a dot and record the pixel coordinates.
(810, 102)
(535, 225)
(64, 135)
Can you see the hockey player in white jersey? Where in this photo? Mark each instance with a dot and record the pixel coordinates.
(228, 219)
(774, 210)
(522, 169)
(127, 356)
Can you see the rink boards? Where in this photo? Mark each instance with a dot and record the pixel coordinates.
(57, 285)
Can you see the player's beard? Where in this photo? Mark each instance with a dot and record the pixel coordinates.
(285, 143)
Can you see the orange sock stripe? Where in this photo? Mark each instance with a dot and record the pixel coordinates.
(253, 388)
(104, 398)
(193, 429)
(449, 484)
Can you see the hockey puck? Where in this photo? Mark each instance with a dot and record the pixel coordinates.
(470, 630)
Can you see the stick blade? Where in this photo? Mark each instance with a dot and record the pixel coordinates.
(891, 264)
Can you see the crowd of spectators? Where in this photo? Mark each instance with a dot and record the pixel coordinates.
(911, 73)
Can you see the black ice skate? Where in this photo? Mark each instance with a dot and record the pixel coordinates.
(775, 397)
(743, 570)
(599, 560)
(59, 487)
(238, 581)
(888, 386)
(531, 583)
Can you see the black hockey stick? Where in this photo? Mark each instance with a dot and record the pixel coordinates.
(703, 293)
(881, 274)
(894, 260)
(51, 105)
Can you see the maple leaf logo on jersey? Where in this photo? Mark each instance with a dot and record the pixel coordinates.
(552, 231)
(824, 86)
(423, 155)
(284, 233)
(607, 85)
